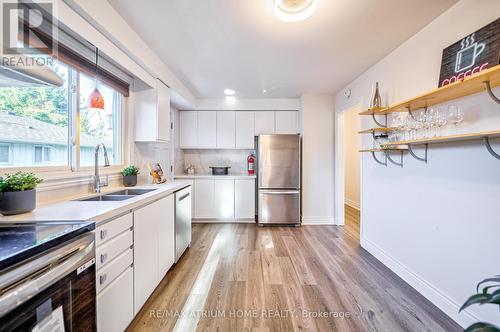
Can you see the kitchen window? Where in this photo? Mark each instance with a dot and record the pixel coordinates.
(45, 127)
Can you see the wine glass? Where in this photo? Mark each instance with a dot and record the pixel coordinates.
(455, 114)
(441, 121)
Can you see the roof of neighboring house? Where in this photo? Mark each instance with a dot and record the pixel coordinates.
(15, 128)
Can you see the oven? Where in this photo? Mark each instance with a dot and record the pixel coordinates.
(52, 291)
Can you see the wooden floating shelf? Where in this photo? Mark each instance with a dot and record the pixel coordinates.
(450, 138)
(468, 86)
(376, 130)
(383, 150)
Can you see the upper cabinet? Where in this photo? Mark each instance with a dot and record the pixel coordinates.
(264, 122)
(245, 130)
(152, 114)
(286, 122)
(232, 129)
(207, 129)
(226, 131)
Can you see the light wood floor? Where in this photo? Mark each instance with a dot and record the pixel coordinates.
(239, 277)
(351, 216)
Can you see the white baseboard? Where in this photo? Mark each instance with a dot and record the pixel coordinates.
(429, 291)
(351, 203)
(318, 221)
(223, 221)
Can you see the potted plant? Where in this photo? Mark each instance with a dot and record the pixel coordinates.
(130, 175)
(490, 294)
(17, 193)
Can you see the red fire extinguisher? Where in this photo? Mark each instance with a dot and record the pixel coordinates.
(251, 164)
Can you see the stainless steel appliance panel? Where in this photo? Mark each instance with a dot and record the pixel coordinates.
(182, 221)
(279, 161)
(279, 207)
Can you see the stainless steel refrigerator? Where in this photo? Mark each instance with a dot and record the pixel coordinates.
(278, 179)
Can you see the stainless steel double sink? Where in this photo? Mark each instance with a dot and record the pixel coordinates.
(120, 195)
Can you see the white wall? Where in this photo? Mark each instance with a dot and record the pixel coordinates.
(436, 225)
(317, 159)
(351, 143)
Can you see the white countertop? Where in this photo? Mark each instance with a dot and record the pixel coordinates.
(210, 176)
(97, 211)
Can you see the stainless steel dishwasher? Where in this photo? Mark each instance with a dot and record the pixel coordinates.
(182, 221)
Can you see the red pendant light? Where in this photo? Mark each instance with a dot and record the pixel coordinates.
(96, 100)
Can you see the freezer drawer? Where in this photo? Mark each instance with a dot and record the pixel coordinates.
(279, 207)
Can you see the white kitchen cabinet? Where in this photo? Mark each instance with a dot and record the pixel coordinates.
(152, 114)
(264, 122)
(145, 253)
(207, 129)
(226, 132)
(166, 238)
(287, 122)
(188, 129)
(244, 198)
(244, 130)
(204, 198)
(224, 199)
(115, 304)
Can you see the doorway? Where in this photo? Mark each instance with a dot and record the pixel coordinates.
(348, 174)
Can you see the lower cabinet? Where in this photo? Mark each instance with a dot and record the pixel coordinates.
(153, 247)
(115, 304)
(224, 198)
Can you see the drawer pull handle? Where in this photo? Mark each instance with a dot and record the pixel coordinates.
(102, 279)
(104, 257)
(104, 233)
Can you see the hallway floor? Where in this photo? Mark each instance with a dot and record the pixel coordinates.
(239, 277)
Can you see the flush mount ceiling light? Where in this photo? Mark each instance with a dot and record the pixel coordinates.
(229, 92)
(294, 10)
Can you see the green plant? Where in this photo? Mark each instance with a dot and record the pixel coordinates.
(19, 181)
(130, 170)
(489, 294)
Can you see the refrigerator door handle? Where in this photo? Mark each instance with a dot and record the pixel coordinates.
(280, 192)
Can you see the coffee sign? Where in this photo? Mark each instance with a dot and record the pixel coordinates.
(474, 53)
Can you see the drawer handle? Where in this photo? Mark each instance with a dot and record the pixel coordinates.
(104, 257)
(104, 233)
(102, 278)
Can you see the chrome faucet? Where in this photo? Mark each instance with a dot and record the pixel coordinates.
(97, 179)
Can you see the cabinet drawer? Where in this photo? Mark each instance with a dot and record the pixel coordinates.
(111, 315)
(109, 273)
(113, 228)
(112, 248)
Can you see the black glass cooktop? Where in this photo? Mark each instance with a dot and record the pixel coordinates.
(21, 241)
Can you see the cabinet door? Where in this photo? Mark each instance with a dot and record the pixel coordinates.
(207, 129)
(264, 123)
(244, 198)
(188, 129)
(112, 315)
(245, 130)
(146, 222)
(287, 122)
(166, 237)
(226, 129)
(224, 199)
(163, 109)
(204, 198)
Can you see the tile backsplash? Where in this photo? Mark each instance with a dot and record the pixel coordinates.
(203, 159)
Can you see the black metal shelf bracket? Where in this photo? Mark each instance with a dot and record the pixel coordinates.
(378, 123)
(490, 149)
(383, 163)
(400, 163)
(490, 92)
(412, 153)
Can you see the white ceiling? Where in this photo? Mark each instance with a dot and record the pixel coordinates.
(239, 44)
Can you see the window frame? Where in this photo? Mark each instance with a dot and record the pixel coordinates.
(73, 168)
(9, 160)
(44, 148)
